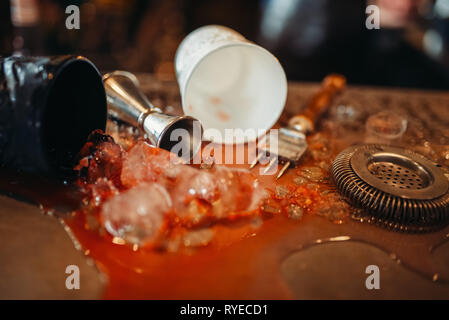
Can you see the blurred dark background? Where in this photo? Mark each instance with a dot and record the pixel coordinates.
(311, 38)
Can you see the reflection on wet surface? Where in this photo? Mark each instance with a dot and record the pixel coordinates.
(336, 270)
(35, 253)
(440, 254)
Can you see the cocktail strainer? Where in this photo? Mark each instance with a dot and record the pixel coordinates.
(396, 187)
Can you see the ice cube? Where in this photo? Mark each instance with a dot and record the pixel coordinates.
(314, 174)
(136, 215)
(238, 191)
(196, 238)
(281, 191)
(125, 135)
(101, 190)
(144, 163)
(227, 190)
(101, 157)
(386, 125)
(258, 195)
(194, 183)
(295, 212)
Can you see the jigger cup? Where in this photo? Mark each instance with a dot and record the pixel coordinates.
(182, 135)
(228, 82)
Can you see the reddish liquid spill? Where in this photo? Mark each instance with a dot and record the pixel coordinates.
(242, 259)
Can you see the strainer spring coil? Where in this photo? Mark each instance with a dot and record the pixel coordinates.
(393, 206)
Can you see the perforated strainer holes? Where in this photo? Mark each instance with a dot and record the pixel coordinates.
(397, 175)
(371, 175)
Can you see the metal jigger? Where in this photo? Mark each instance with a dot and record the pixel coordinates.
(127, 103)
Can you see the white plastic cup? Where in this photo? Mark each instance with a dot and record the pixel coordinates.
(228, 82)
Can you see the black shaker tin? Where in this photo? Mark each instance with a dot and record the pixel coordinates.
(48, 107)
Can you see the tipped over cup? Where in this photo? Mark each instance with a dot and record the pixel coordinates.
(233, 86)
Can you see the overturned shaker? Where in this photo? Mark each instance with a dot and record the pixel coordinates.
(48, 107)
(181, 135)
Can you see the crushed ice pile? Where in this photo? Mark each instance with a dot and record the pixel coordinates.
(139, 191)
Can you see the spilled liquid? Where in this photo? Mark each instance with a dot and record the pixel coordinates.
(254, 259)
